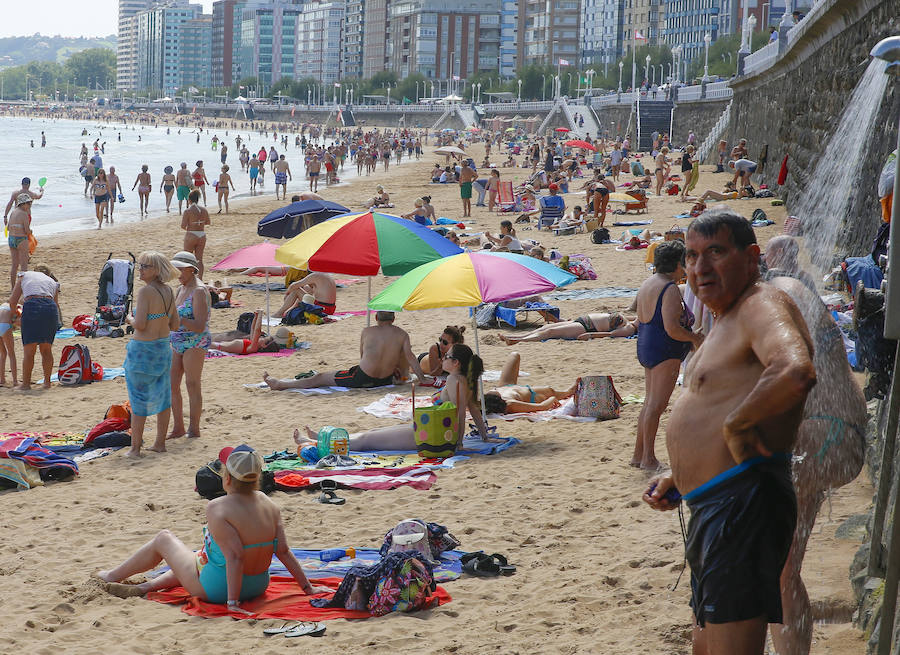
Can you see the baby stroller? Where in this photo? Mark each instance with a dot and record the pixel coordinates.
(114, 297)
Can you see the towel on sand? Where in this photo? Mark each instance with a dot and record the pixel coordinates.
(399, 406)
(282, 600)
(212, 353)
(314, 390)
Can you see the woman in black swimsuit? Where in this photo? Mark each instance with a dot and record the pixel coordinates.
(613, 324)
(167, 185)
(432, 361)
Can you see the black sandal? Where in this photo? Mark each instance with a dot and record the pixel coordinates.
(329, 495)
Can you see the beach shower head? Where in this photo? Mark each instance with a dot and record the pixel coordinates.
(888, 50)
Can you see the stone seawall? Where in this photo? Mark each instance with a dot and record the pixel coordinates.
(699, 116)
(796, 105)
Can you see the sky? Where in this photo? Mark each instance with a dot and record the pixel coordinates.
(65, 17)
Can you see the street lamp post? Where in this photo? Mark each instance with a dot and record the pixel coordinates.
(706, 40)
(569, 88)
(621, 64)
(647, 70)
(479, 92)
(745, 37)
(543, 88)
(520, 90)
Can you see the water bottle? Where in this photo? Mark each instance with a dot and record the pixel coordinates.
(332, 554)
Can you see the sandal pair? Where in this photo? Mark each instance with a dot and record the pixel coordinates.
(303, 629)
(481, 564)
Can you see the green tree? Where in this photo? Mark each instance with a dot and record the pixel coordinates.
(94, 67)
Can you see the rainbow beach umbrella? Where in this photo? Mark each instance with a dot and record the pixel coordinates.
(469, 279)
(365, 244)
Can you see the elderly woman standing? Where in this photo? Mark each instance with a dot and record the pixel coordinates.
(664, 340)
(190, 341)
(148, 359)
(40, 319)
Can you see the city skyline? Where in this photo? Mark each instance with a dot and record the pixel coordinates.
(66, 18)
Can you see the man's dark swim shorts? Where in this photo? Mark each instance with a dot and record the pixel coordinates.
(356, 378)
(741, 528)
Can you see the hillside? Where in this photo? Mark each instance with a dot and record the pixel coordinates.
(18, 50)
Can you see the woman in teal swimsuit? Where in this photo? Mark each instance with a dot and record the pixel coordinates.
(243, 530)
(189, 343)
(510, 397)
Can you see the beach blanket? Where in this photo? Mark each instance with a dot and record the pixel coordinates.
(588, 294)
(66, 333)
(314, 390)
(256, 286)
(399, 406)
(110, 373)
(20, 474)
(27, 450)
(418, 477)
(628, 223)
(68, 444)
(282, 600)
(212, 353)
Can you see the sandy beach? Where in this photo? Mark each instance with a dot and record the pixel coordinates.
(595, 564)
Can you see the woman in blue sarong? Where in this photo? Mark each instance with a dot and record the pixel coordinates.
(148, 358)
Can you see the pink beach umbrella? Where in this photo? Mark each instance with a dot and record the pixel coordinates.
(259, 255)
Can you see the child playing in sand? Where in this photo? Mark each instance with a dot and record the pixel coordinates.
(8, 319)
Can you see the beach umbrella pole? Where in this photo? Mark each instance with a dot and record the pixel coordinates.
(268, 314)
(368, 311)
(478, 352)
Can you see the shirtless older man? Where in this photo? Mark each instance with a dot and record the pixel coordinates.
(320, 285)
(282, 173)
(381, 347)
(26, 188)
(730, 437)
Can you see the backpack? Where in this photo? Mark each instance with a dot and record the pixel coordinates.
(208, 480)
(600, 235)
(245, 322)
(75, 365)
(758, 215)
(119, 410)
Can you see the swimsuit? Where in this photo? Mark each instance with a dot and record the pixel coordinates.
(198, 179)
(533, 395)
(183, 340)
(742, 524)
(280, 178)
(328, 307)
(586, 323)
(14, 242)
(254, 172)
(99, 200)
(150, 316)
(212, 572)
(654, 344)
(200, 234)
(168, 188)
(144, 189)
(356, 378)
(183, 192)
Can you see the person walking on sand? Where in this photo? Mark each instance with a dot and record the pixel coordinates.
(148, 358)
(194, 222)
(222, 187)
(190, 341)
(730, 436)
(313, 168)
(466, 177)
(115, 187)
(142, 182)
(19, 228)
(101, 194)
(39, 291)
(282, 173)
(167, 186)
(200, 181)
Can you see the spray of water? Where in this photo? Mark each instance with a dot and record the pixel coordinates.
(835, 182)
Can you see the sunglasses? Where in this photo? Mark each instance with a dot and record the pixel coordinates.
(448, 356)
(444, 342)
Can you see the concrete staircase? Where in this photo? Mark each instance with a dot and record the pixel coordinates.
(591, 125)
(347, 117)
(706, 148)
(653, 117)
(444, 116)
(466, 115)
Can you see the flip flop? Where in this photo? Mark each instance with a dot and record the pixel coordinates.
(287, 627)
(308, 630)
(505, 567)
(480, 564)
(328, 497)
(307, 374)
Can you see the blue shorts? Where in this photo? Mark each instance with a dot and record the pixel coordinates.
(254, 173)
(280, 178)
(40, 320)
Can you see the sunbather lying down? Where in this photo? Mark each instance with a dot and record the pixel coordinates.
(256, 343)
(510, 397)
(608, 324)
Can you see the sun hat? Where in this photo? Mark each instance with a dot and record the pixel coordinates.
(282, 335)
(243, 463)
(23, 198)
(185, 259)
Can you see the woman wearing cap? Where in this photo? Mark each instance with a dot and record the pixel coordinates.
(148, 359)
(142, 182)
(19, 229)
(243, 530)
(40, 319)
(194, 221)
(190, 341)
(167, 185)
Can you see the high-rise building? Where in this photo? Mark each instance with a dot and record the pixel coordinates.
(224, 38)
(319, 42)
(687, 21)
(160, 45)
(548, 30)
(644, 18)
(443, 41)
(269, 42)
(354, 33)
(196, 44)
(509, 24)
(603, 35)
(126, 43)
(375, 37)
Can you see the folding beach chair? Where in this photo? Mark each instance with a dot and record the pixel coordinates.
(549, 215)
(506, 199)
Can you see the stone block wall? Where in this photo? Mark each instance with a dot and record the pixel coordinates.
(699, 116)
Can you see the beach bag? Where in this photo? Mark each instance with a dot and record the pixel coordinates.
(245, 322)
(675, 232)
(333, 441)
(75, 366)
(409, 536)
(439, 539)
(435, 429)
(119, 410)
(407, 587)
(596, 396)
(208, 480)
(600, 235)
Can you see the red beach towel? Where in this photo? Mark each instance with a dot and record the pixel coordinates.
(782, 174)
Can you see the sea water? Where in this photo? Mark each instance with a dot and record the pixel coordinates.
(64, 206)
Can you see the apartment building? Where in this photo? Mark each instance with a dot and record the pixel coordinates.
(161, 49)
(509, 24)
(687, 21)
(645, 18)
(268, 42)
(196, 44)
(548, 30)
(602, 30)
(126, 43)
(319, 42)
(354, 33)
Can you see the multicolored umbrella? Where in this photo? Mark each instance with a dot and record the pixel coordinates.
(578, 143)
(364, 244)
(469, 279)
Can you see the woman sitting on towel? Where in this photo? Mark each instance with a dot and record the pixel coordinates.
(243, 530)
(256, 343)
(510, 397)
(611, 324)
(433, 361)
(463, 368)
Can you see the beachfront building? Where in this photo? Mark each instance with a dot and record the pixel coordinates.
(160, 50)
(354, 32)
(687, 22)
(549, 30)
(644, 18)
(319, 46)
(375, 37)
(126, 42)
(602, 29)
(441, 41)
(196, 44)
(509, 29)
(268, 44)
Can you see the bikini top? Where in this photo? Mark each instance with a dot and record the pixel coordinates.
(151, 317)
(214, 552)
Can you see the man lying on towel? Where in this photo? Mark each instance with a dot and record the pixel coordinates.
(385, 348)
